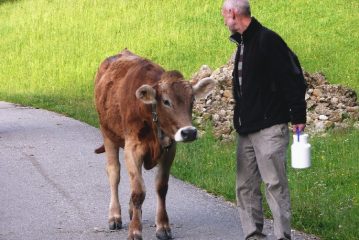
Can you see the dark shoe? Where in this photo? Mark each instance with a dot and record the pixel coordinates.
(257, 236)
(286, 237)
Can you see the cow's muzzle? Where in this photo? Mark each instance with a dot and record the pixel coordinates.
(186, 134)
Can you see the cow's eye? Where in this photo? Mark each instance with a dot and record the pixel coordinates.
(167, 103)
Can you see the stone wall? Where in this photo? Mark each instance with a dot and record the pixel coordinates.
(328, 105)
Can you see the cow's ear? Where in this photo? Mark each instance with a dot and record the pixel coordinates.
(146, 94)
(203, 87)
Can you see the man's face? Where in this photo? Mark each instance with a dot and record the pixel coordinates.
(229, 19)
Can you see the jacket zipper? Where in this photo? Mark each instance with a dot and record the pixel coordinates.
(241, 44)
(241, 53)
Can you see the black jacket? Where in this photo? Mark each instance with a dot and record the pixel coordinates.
(269, 93)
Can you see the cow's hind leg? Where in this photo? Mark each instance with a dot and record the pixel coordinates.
(113, 172)
(134, 161)
(163, 230)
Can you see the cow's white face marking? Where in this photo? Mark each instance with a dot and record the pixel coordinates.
(185, 134)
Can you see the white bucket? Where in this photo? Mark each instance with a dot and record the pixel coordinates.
(300, 151)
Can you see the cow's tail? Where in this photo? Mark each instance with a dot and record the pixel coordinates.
(100, 149)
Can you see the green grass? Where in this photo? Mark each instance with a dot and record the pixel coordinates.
(54, 47)
(325, 197)
(50, 51)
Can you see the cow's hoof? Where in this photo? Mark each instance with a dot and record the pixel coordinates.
(164, 234)
(135, 237)
(115, 225)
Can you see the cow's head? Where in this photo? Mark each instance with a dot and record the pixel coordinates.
(172, 98)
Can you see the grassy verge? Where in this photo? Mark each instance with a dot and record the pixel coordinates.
(51, 50)
(325, 198)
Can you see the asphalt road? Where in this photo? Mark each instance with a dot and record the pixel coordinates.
(52, 186)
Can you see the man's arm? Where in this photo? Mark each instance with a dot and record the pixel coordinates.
(284, 73)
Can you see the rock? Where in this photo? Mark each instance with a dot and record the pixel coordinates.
(317, 92)
(311, 104)
(215, 117)
(334, 100)
(355, 116)
(324, 101)
(198, 121)
(353, 109)
(319, 79)
(222, 112)
(309, 120)
(341, 125)
(336, 117)
(341, 105)
(319, 126)
(227, 94)
(323, 117)
(322, 110)
(207, 116)
(328, 125)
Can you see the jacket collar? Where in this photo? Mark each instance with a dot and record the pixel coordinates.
(247, 35)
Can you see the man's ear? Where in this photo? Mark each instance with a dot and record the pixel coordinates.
(203, 87)
(146, 94)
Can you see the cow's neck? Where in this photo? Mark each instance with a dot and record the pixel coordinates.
(165, 141)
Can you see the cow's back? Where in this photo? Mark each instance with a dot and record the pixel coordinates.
(116, 83)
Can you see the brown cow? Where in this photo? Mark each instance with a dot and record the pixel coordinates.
(145, 110)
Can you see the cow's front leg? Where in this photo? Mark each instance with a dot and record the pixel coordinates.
(113, 173)
(134, 160)
(163, 230)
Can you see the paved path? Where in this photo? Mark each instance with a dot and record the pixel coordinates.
(52, 186)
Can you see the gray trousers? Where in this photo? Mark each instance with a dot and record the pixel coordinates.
(261, 156)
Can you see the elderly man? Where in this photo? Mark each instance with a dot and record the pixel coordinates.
(267, 96)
